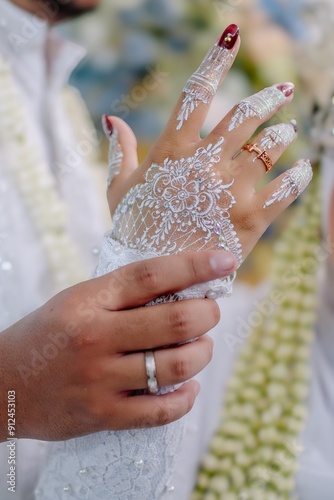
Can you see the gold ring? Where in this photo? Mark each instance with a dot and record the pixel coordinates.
(261, 154)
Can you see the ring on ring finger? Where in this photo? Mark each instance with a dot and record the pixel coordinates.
(150, 367)
(261, 154)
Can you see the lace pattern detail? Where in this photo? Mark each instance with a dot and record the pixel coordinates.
(178, 207)
(124, 465)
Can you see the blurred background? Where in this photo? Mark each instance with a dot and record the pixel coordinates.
(282, 40)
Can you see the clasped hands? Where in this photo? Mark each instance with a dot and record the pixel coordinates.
(190, 194)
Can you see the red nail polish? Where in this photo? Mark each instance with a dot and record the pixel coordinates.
(107, 125)
(229, 37)
(286, 88)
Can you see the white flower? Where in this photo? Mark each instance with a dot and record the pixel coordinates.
(276, 391)
(209, 462)
(219, 484)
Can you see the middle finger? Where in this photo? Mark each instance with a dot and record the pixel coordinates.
(242, 121)
(182, 320)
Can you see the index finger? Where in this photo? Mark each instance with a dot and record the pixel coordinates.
(138, 283)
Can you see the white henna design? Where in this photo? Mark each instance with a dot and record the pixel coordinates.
(203, 84)
(258, 105)
(178, 207)
(293, 183)
(115, 155)
(282, 134)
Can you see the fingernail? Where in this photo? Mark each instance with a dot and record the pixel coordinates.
(229, 37)
(107, 125)
(295, 125)
(286, 88)
(222, 262)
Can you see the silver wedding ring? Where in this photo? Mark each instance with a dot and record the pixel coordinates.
(152, 383)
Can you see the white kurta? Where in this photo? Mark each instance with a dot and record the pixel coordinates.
(40, 64)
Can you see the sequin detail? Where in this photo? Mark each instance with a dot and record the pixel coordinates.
(203, 84)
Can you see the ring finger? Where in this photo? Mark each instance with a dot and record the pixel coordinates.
(259, 155)
(173, 365)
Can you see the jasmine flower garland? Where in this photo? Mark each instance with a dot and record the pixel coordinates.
(254, 453)
(36, 184)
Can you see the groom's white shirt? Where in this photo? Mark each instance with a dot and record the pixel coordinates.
(40, 64)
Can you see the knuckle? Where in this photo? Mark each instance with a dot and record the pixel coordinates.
(94, 413)
(102, 413)
(180, 369)
(92, 375)
(179, 319)
(148, 276)
(194, 268)
(85, 340)
(165, 414)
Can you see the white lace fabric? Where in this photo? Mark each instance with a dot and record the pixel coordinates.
(127, 465)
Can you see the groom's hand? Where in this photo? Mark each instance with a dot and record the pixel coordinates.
(76, 363)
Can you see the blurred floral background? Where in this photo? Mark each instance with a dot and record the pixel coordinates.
(282, 40)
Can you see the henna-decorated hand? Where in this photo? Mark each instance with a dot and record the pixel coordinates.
(192, 193)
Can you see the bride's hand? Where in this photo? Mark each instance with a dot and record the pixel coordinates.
(192, 193)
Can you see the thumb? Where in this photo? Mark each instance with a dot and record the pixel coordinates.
(122, 158)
